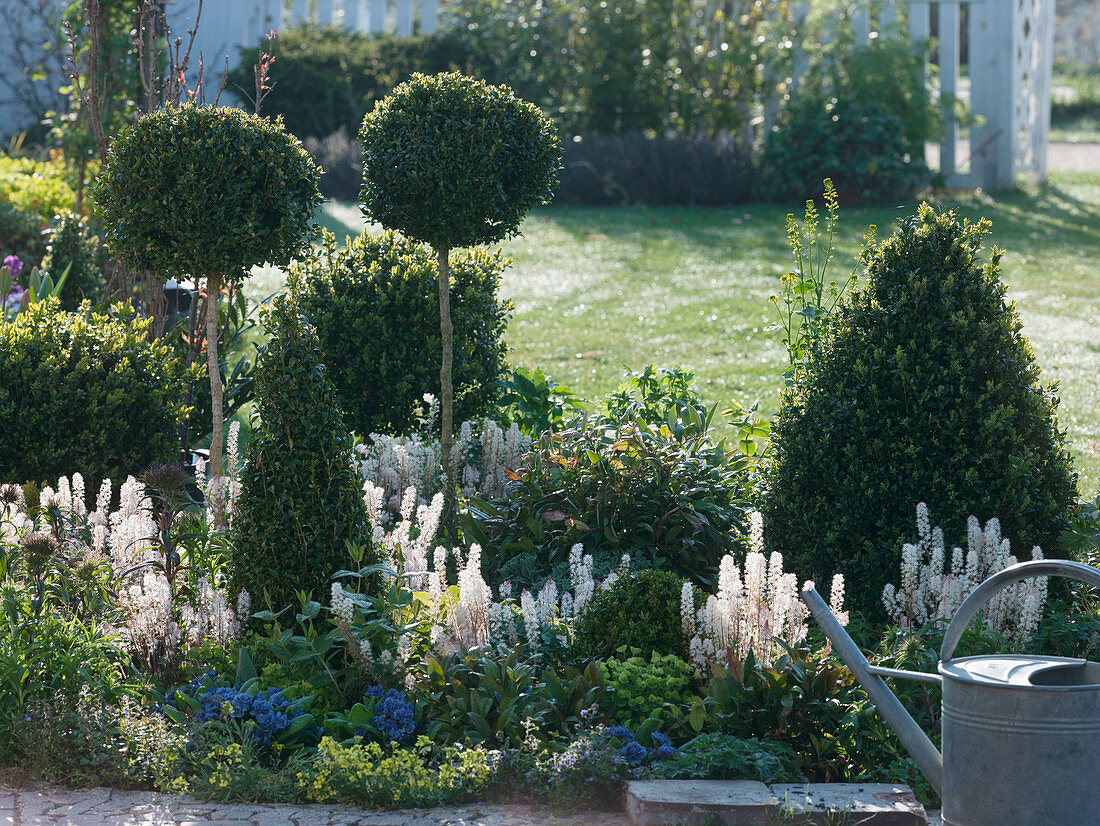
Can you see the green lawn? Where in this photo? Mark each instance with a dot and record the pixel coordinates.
(601, 291)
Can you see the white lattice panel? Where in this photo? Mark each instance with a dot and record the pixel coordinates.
(1033, 42)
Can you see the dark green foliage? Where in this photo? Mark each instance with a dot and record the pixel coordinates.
(300, 500)
(455, 162)
(635, 168)
(725, 757)
(801, 700)
(857, 143)
(84, 392)
(640, 610)
(924, 389)
(74, 246)
(326, 78)
(375, 306)
(482, 699)
(562, 702)
(21, 235)
(648, 480)
(205, 190)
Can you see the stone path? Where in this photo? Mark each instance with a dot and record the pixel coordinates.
(49, 806)
(1073, 157)
(110, 807)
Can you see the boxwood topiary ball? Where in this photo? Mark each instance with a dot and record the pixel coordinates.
(640, 610)
(455, 162)
(197, 190)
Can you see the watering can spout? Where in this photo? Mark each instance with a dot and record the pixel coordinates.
(916, 742)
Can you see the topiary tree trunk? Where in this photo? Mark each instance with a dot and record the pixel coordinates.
(446, 391)
(213, 291)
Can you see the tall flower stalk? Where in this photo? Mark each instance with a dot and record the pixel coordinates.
(932, 589)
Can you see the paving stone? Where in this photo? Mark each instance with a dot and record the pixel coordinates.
(868, 804)
(731, 802)
(276, 817)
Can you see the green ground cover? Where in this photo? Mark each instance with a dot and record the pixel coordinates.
(599, 291)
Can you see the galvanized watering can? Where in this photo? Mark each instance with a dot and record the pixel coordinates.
(1021, 734)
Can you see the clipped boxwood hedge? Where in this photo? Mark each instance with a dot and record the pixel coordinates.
(84, 392)
(375, 305)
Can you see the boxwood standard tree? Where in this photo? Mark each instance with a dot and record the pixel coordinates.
(212, 192)
(455, 162)
(924, 390)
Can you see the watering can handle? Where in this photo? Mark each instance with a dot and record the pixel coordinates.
(1001, 580)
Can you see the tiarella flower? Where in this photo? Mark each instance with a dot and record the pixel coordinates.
(342, 606)
(753, 613)
(530, 616)
(482, 451)
(929, 591)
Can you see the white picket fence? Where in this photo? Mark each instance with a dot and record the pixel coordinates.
(1010, 49)
(226, 25)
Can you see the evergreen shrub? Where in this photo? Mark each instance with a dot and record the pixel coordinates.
(199, 191)
(375, 306)
(923, 388)
(84, 392)
(326, 78)
(640, 610)
(300, 500)
(858, 143)
(73, 245)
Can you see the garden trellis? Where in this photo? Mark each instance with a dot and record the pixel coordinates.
(1009, 49)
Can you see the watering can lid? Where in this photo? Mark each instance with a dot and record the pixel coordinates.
(1002, 669)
